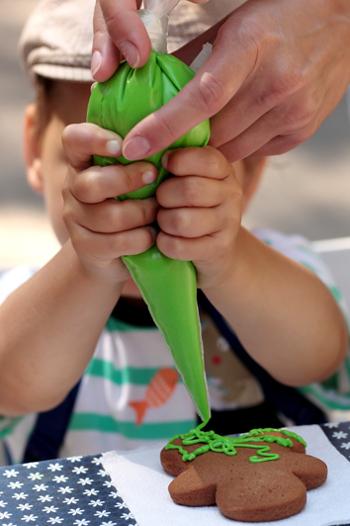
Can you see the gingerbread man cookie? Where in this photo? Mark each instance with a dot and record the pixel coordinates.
(262, 475)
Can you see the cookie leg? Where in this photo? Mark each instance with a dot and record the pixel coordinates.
(190, 489)
(261, 498)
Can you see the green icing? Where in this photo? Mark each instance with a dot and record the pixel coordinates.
(258, 439)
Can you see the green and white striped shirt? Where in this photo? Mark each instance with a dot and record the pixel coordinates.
(130, 394)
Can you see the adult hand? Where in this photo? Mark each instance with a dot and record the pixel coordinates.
(278, 68)
(119, 30)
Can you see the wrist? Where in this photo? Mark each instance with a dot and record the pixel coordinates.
(108, 274)
(241, 275)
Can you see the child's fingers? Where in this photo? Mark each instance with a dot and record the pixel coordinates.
(81, 141)
(204, 162)
(193, 191)
(191, 222)
(196, 249)
(96, 184)
(106, 247)
(111, 216)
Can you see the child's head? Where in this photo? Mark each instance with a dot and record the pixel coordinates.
(56, 46)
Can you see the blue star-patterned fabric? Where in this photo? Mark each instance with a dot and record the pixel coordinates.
(339, 436)
(72, 492)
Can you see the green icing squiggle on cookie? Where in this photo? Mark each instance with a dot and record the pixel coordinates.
(258, 439)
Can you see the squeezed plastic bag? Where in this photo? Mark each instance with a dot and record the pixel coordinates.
(168, 286)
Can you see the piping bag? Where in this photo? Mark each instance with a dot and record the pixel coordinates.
(168, 286)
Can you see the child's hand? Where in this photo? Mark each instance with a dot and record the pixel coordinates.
(200, 212)
(101, 228)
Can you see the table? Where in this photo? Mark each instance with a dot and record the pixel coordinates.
(131, 489)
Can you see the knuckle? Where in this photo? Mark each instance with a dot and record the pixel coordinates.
(211, 96)
(178, 221)
(299, 116)
(191, 190)
(283, 84)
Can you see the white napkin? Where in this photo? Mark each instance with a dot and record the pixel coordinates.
(141, 482)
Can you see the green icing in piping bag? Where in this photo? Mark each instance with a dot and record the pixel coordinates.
(168, 286)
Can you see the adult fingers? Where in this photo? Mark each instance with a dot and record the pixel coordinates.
(125, 29)
(295, 120)
(81, 141)
(214, 85)
(105, 56)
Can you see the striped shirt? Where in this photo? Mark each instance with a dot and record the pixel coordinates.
(130, 394)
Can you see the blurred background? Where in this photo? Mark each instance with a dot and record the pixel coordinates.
(306, 191)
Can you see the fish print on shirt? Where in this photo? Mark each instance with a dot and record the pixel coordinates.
(158, 392)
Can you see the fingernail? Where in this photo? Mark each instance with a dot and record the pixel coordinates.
(136, 148)
(149, 177)
(114, 147)
(130, 53)
(96, 62)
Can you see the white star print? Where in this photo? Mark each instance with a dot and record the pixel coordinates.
(102, 473)
(40, 487)
(60, 478)
(75, 511)
(45, 498)
(5, 515)
(3, 504)
(97, 502)
(35, 476)
(108, 483)
(29, 518)
(15, 484)
(8, 473)
(339, 434)
(55, 520)
(74, 459)
(114, 495)
(55, 467)
(85, 481)
(80, 470)
(127, 516)
(102, 513)
(97, 461)
(50, 509)
(31, 465)
(25, 507)
(120, 505)
(71, 500)
(109, 523)
(81, 522)
(19, 496)
(331, 425)
(345, 445)
(65, 489)
(91, 492)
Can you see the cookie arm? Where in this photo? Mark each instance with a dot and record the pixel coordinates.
(310, 470)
